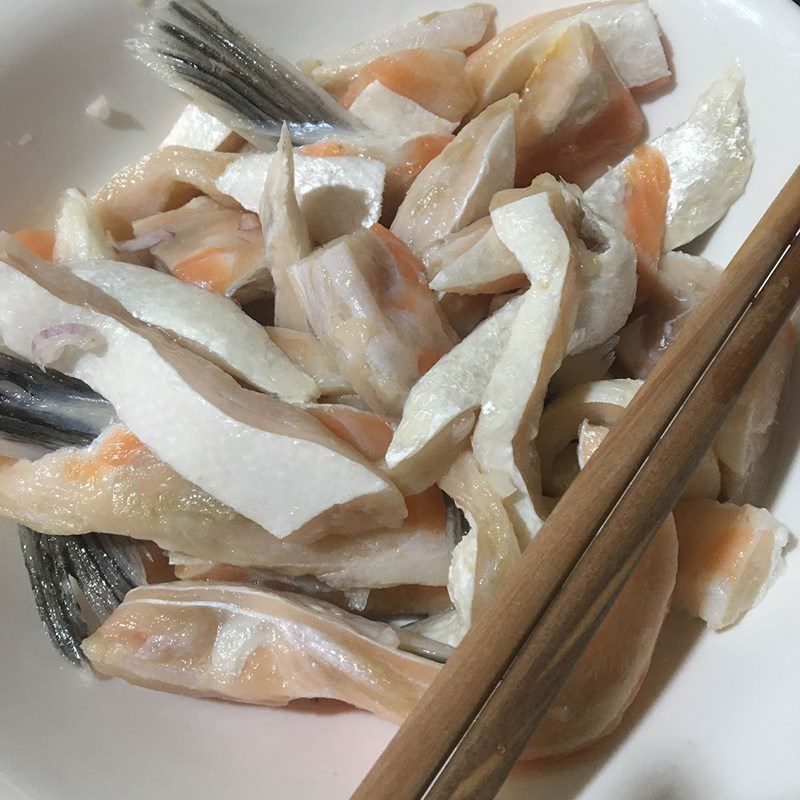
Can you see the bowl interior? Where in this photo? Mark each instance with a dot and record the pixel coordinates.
(717, 716)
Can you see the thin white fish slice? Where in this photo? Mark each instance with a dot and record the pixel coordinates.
(254, 646)
(608, 268)
(391, 114)
(449, 248)
(539, 230)
(456, 29)
(710, 158)
(482, 559)
(628, 32)
(208, 323)
(79, 235)
(608, 290)
(456, 187)
(247, 449)
(488, 267)
(117, 485)
(200, 130)
(745, 436)
(336, 195)
(286, 236)
(441, 410)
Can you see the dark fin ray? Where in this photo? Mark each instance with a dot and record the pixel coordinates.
(194, 49)
(62, 618)
(47, 408)
(104, 568)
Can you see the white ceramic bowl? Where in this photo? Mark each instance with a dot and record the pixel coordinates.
(719, 715)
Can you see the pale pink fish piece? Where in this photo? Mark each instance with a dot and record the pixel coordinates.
(590, 437)
(576, 118)
(387, 113)
(598, 403)
(210, 325)
(253, 646)
(366, 431)
(448, 249)
(436, 80)
(210, 245)
(117, 485)
(404, 600)
(471, 264)
(366, 298)
(456, 188)
(465, 312)
(79, 237)
(454, 29)
(682, 283)
(627, 30)
(403, 157)
(585, 367)
(729, 556)
(441, 409)
(610, 672)
(475, 261)
(708, 159)
(308, 353)
(162, 180)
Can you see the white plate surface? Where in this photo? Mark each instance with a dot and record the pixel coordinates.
(719, 715)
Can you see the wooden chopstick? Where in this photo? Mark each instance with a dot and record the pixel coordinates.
(468, 730)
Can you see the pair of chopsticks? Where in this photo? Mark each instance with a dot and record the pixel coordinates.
(473, 723)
